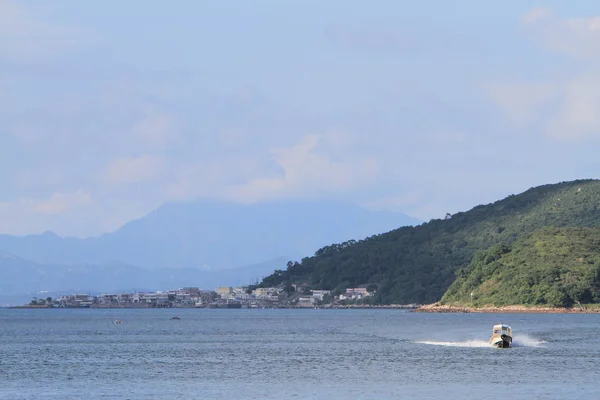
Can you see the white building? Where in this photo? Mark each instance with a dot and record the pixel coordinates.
(319, 294)
(224, 291)
(306, 301)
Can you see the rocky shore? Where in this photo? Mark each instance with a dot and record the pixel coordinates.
(370, 306)
(439, 308)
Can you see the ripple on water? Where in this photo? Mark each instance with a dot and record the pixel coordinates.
(326, 354)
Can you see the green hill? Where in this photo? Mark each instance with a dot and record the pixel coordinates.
(418, 264)
(552, 266)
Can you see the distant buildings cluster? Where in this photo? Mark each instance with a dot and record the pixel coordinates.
(187, 296)
(222, 297)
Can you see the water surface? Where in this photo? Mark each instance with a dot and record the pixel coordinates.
(301, 354)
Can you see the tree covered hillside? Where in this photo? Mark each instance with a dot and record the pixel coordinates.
(418, 264)
(552, 266)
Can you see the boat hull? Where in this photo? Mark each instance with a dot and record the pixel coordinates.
(501, 342)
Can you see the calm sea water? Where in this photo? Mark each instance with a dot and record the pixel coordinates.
(300, 354)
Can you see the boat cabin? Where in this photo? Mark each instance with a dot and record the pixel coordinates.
(502, 330)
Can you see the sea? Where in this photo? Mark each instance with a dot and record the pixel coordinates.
(294, 354)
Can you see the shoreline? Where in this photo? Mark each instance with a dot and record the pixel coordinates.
(411, 307)
(514, 309)
(434, 308)
(29, 306)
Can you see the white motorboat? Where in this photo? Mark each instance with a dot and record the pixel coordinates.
(501, 336)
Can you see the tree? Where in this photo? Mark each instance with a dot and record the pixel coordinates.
(289, 289)
(372, 287)
(556, 298)
(48, 300)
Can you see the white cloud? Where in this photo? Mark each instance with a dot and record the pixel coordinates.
(30, 215)
(576, 37)
(566, 107)
(22, 35)
(579, 113)
(523, 102)
(75, 213)
(157, 129)
(135, 169)
(62, 202)
(536, 15)
(199, 180)
(15, 22)
(305, 171)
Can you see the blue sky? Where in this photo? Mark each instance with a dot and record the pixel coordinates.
(108, 109)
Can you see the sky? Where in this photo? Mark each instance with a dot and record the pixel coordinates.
(110, 109)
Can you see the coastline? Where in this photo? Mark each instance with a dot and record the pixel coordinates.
(428, 308)
(514, 309)
(30, 306)
(411, 307)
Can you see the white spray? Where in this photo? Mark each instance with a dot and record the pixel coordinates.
(466, 343)
(520, 340)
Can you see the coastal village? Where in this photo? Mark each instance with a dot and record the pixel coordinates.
(292, 296)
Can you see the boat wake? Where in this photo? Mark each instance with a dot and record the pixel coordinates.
(466, 343)
(518, 341)
(527, 341)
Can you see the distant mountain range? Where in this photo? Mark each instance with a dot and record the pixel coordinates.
(202, 243)
(20, 280)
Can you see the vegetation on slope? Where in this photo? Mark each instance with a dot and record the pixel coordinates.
(418, 264)
(556, 267)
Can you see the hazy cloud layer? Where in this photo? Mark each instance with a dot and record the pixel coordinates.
(105, 115)
(562, 103)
